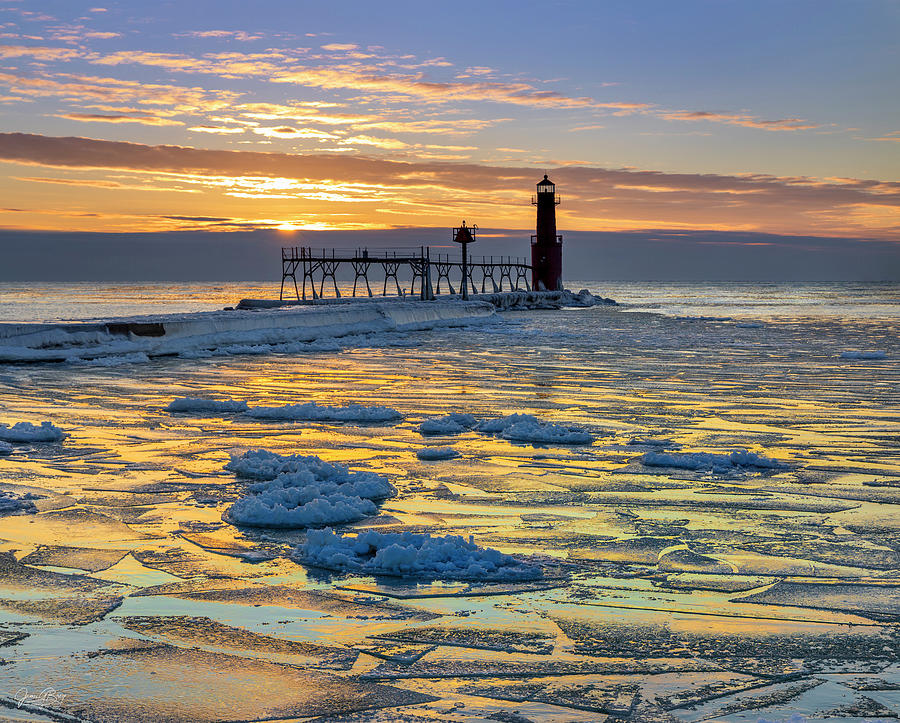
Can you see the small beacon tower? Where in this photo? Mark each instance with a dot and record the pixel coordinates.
(546, 245)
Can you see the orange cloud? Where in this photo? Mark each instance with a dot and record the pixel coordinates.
(740, 119)
(216, 130)
(148, 120)
(351, 189)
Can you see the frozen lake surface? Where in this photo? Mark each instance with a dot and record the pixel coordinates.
(697, 520)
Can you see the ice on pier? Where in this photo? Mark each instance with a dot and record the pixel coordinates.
(527, 428)
(514, 300)
(430, 454)
(25, 432)
(259, 331)
(863, 355)
(114, 360)
(406, 554)
(307, 493)
(455, 423)
(710, 461)
(194, 405)
(312, 412)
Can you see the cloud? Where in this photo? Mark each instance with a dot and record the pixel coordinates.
(220, 130)
(39, 53)
(281, 67)
(289, 132)
(76, 88)
(388, 143)
(740, 119)
(148, 120)
(239, 35)
(383, 192)
(890, 137)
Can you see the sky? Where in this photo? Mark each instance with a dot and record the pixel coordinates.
(657, 120)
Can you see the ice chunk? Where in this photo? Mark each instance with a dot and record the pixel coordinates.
(411, 555)
(312, 412)
(5, 448)
(261, 464)
(28, 432)
(863, 355)
(11, 503)
(542, 433)
(527, 428)
(308, 412)
(206, 406)
(708, 460)
(302, 491)
(455, 423)
(436, 453)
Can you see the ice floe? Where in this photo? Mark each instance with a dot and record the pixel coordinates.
(527, 428)
(455, 423)
(312, 412)
(5, 448)
(11, 503)
(24, 432)
(863, 355)
(195, 405)
(710, 461)
(412, 555)
(306, 412)
(306, 492)
(430, 454)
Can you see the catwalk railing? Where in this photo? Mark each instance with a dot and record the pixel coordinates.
(420, 266)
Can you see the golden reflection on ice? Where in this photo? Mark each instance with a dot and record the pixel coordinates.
(647, 566)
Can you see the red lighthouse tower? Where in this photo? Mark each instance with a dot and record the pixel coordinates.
(546, 245)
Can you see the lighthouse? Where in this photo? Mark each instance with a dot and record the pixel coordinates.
(546, 244)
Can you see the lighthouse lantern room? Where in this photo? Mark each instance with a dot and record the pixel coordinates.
(546, 244)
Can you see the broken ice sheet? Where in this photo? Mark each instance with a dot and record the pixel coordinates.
(614, 698)
(67, 527)
(513, 641)
(290, 597)
(779, 698)
(853, 553)
(204, 631)
(714, 583)
(876, 601)
(404, 653)
(43, 594)
(440, 589)
(505, 669)
(75, 610)
(167, 683)
(91, 559)
(644, 550)
(742, 645)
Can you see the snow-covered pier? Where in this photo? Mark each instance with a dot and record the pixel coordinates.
(230, 331)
